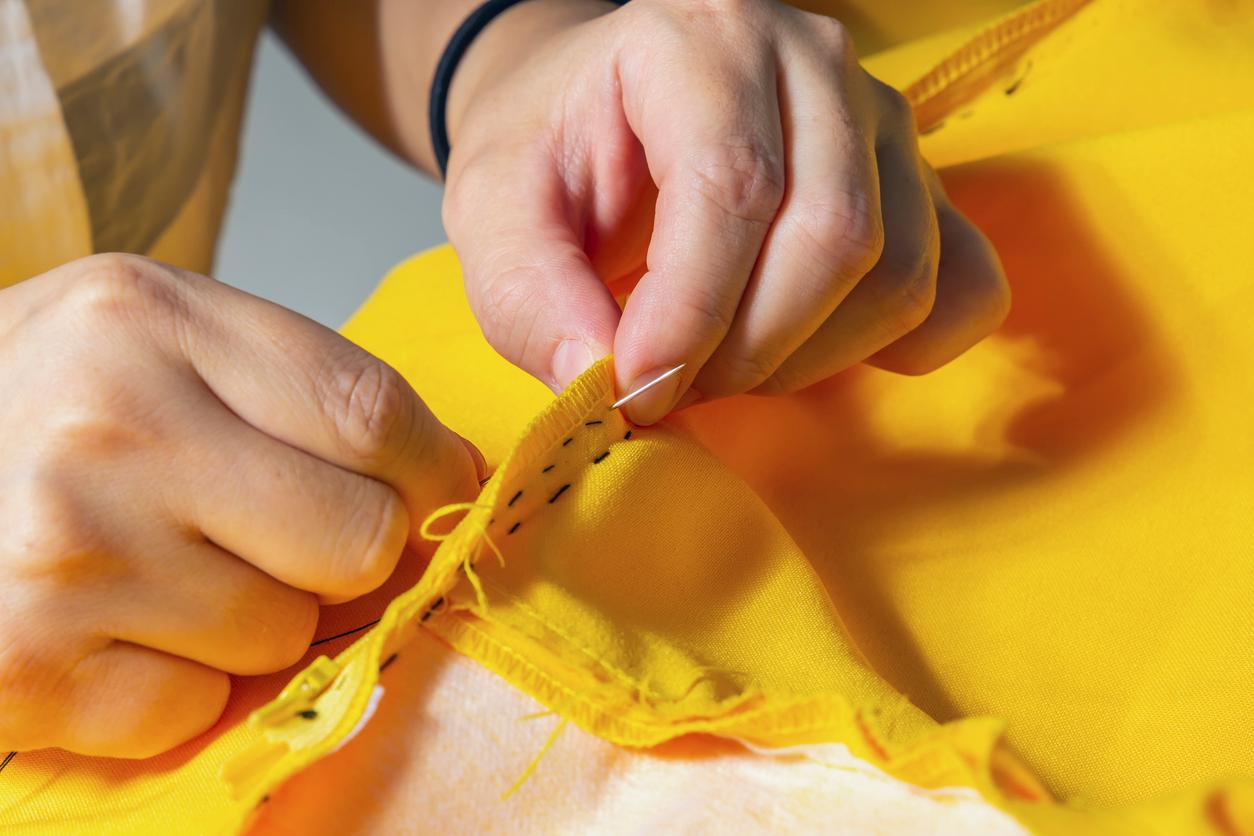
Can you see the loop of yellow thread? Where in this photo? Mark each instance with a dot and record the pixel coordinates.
(440, 513)
(535, 762)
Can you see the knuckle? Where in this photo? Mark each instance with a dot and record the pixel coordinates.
(834, 35)
(502, 305)
(371, 542)
(744, 180)
(736, 373)
(370, 404)
(115, 286)
(706, 309)
(784, 381)
(279, 628)
(845, 237)
(34, 692)
(909, 290)
(56, 543)
(894, 103)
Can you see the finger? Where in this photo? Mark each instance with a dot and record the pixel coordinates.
(127, 701)
(194, 600)
(713, 141)
(302, 521)
(972, 296)
(828, 233)
(535, 294)
(896, 296)
(308, 387)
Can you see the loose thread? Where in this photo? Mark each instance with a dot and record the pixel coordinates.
(535, 762)
(440, 513)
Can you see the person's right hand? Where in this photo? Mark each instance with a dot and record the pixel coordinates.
(185, 471)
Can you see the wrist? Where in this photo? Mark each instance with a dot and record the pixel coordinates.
(509, 40)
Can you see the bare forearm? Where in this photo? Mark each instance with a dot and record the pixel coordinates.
(376, 59)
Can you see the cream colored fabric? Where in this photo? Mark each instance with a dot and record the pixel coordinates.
(119, 122)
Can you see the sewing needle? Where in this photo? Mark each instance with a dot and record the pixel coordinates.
(625, 398)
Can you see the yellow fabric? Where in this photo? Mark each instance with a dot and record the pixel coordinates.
(1045, 546)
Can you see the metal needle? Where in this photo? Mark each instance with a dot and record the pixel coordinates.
(625, 398)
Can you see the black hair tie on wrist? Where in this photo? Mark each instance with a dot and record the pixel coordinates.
(443, 78)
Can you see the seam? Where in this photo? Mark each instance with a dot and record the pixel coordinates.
(825, 707)
(990, 44)
(617, 673)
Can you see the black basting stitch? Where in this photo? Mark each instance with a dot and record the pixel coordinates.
(514, 527)
(6, 760)
(547, 469)
(439, 602)
(601, 457)
(560, 491)
(309, 714)
(592, 423)
(514, 498)
(388, 661)
(627, 436)
(567, 441)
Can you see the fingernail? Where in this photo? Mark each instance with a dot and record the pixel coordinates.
(481, 464)
(652, 406)
(572, 358)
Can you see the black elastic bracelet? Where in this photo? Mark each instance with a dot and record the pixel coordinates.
(443, 78)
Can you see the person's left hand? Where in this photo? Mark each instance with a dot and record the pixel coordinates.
(734, 155)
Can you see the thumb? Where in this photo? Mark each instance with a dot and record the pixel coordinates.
(529, 282)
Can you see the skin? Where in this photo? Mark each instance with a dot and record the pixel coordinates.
(730, 158)
(188, 471)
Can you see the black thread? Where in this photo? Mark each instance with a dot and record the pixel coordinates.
(560, 491)
(601, 457)
(388, 661)
(515, 526)
(6, 760)
(263, 800)
(627, 436)
(514, 499)
(439, 602)
(345, 633)
(592, 423)
(547, 469)
(308, 714)
(567, 441)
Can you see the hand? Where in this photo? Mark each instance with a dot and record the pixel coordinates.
(185, 470)
(733, 154)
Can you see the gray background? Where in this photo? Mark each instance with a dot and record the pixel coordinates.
(319, 212)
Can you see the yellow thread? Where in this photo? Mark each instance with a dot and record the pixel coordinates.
(439, 514)
(535, 762)
(500, 558)
(468, 569)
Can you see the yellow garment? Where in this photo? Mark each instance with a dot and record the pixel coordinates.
(1048, 538)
